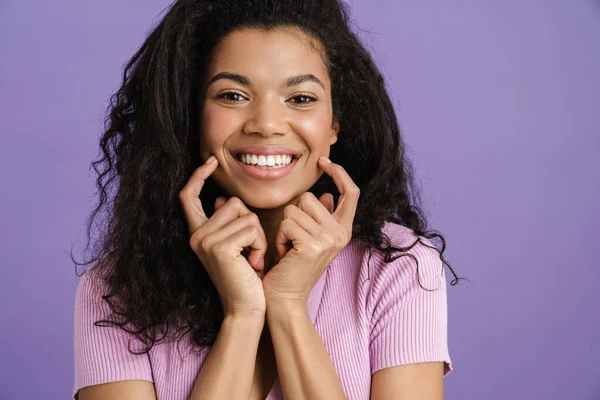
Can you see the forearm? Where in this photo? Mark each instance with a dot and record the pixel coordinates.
(303, 364)
(228, 370)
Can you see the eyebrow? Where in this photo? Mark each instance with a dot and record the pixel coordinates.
(244, 80)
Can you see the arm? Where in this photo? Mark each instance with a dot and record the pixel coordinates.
(304, 367)
(135, 389)
(409, 327)
(104, 367)
(423, 381)
(231, 360)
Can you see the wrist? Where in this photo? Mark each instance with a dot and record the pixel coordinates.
(245, 317)
(245, 312)
(286, 310)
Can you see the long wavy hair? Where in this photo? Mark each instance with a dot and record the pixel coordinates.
(150, 146)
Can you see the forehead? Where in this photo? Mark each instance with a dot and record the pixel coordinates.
(275, 54)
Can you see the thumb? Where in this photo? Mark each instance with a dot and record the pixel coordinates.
(327, 200)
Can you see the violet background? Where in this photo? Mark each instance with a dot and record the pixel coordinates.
(499, 102)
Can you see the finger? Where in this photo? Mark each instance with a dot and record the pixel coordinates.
(304, 220)
(257, 250)
(232, 209)
(289, 232)
(189, 195)
(349, 192)
(219, 202)
(248, 237)
(327, 200)
(308, 203)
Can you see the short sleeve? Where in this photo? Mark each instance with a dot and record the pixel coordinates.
(409, 323)
(102, 353)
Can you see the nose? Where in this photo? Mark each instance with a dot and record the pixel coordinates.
(267, 118)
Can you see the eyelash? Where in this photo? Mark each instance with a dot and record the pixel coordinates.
(311, 98)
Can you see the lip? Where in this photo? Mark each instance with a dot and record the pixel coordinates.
(265, 151)
(266, 174)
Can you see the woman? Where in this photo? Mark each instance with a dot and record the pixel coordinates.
(263, 241)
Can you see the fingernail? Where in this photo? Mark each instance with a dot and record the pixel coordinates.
(210, 159)
(325, 159)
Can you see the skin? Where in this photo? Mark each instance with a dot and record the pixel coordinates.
(266, 112)
(292, 236)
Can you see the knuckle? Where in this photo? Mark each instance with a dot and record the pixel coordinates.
(206, 245)
(235, 202)
(315, 247)
(328, 240)
(306, 196)
(254, 218)
(253, 230)
(344, 237)
(288, 210)
(183, 194)
(218, 248)
(195, 240)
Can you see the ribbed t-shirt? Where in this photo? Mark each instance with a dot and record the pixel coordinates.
(370, 315)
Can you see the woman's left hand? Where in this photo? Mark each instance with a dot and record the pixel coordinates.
(310, 236)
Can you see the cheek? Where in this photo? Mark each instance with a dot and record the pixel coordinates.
(217, 124)
(315, 129)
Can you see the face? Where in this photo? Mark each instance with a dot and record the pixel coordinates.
(266, 101)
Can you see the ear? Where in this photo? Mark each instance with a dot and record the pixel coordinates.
(335, 128)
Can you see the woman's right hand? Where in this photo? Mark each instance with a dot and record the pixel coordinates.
(219, 241)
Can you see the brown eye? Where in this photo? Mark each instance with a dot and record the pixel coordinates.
(304, 99)
(233, 97)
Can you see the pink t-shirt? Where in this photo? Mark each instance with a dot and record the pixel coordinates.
(365, 324)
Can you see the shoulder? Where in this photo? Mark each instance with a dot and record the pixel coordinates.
(90, 289)
(373, 267)
(402, 236)
(417, 261)
(417, 265)
(102, 352)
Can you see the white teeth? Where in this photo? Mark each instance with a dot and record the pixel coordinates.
(274, 161)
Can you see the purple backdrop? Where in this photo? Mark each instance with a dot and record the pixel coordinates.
(499, 103)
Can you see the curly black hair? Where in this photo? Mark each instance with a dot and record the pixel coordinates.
(150, 147)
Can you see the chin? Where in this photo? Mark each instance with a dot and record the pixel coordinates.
(266, 201)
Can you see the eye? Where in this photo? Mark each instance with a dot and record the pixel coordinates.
(232, 97)
(305, 99)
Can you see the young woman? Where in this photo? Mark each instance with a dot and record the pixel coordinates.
(263, 240)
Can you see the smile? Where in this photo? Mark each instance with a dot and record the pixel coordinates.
(270, 161)
(266, 167)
